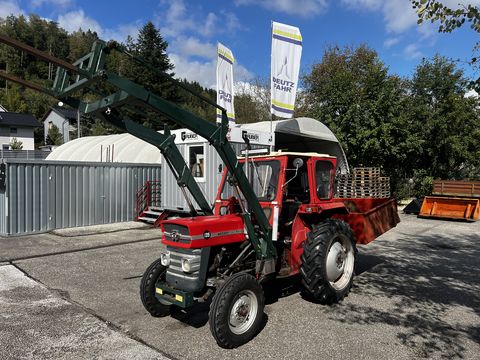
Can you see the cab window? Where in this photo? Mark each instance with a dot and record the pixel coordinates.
(323, 176)
(263, 177)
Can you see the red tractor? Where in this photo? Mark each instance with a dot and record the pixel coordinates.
(313, 234)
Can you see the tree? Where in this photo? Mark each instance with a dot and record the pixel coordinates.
(15, 144)
(446, 120)
(252, 101)
(196, 105)
(54, 136)
(152, 49)
(451, 19)
(352, 93)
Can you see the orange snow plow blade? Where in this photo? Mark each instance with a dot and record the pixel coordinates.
(450, 208)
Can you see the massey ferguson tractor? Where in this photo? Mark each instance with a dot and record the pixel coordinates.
(274, 215)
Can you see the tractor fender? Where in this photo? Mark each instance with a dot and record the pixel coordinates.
(305, 219)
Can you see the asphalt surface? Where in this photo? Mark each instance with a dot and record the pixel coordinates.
(416, 295)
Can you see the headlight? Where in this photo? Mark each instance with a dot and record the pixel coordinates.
(186, 266)
(165, 258)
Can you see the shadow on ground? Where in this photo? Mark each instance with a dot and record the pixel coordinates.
(433, 275)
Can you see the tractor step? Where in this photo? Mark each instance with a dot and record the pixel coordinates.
(147, 219)
(152, 212)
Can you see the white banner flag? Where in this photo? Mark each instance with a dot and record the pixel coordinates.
(225, 62)
(286, 55)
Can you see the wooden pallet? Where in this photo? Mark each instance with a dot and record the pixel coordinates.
(363, 183)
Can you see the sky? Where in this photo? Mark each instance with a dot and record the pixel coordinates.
(193, 28)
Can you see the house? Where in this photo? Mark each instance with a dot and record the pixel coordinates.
(19, 126)
(64, 119)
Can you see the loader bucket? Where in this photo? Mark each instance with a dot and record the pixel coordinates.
(370, 217)
(450, 208)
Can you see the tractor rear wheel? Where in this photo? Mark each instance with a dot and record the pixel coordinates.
(156, 271)
(236, 311)
(328, 262)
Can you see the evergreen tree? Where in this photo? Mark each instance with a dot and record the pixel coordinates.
(54, 136)
(152, 49)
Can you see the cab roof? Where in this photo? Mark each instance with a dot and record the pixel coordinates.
(288, 153)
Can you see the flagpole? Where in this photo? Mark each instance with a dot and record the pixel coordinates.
(271, 93)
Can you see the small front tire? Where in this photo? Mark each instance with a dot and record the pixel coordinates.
(156, 271)
(236, 312)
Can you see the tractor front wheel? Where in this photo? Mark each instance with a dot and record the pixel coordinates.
(328, 262)
(156, 271)
(236, 311)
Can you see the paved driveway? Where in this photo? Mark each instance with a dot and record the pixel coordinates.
(417, 294)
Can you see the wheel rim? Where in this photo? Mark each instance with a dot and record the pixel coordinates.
(243, 312)
(340, 262)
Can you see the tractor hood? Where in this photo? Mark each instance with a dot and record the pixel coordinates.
(203, 231)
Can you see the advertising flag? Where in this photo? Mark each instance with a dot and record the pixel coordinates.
(225, 62)
(286, 55)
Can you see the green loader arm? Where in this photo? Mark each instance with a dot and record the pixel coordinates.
(90, 69)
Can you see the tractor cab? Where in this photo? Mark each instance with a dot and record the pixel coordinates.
(285, 183)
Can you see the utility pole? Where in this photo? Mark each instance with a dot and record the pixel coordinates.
(78, 124)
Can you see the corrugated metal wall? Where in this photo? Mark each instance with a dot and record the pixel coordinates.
(47, 195)
(173, 198)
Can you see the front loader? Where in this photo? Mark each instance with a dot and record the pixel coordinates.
(274, 215)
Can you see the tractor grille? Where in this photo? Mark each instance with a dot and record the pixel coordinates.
(193, 280)
(194, 255)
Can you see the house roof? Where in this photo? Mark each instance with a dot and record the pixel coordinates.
(67, 114)
(17, 119)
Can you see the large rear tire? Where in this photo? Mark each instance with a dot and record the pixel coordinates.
(156, 271)
(236, 311)
(328, 262)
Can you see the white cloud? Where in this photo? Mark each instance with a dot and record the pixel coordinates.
(191, 49)
(191, 46)
(399, 15)
(75, 20)
(304, 8)
(121, 32)
(388, 43)
(10, 7)
(204, 72)
(59, 3)
(233, 24)
(241, 73)
(210, 25)
(175, 20)
(471, 93)
(412, 52)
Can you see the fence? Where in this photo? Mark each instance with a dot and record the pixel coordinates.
(39, 196)
(24, 154)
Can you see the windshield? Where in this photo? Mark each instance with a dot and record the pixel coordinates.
(263, 177)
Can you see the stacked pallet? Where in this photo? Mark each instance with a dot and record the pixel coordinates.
(363, 182)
